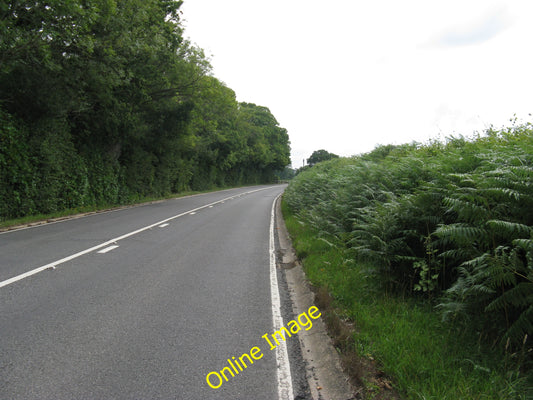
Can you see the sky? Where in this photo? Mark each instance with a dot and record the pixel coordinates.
(348, 75)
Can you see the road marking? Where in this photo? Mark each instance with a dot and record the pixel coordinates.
(163, 225)
(285, 391)
(193, 213)
(90, 214)
(111, 242)
(103, 251)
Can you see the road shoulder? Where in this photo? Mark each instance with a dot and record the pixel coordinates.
(324, 373)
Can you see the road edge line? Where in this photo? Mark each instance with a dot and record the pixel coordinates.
(324, 372)
(285, 391)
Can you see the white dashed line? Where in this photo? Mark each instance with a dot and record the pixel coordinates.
(163, 225)
(110, 242)
(103, 251)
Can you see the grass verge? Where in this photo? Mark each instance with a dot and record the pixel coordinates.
(401, 339)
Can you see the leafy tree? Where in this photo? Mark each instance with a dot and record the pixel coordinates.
(319, 156)
(103, 101)
(268, 143)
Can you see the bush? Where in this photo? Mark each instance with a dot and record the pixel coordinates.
(450, 221)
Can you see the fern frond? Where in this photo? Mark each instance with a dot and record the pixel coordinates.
(509, 229)
(466, 210)
(461, 233)
(458, 254)
(519, 296)
(327, 242)
(523, 171)
(451, 309)
(526, 244)
(481, 289)
(502, 193)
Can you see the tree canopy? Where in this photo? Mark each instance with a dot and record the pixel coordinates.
(319, 156)
(104, 101)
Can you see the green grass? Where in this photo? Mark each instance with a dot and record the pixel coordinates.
(425, 358)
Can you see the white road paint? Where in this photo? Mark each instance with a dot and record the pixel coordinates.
(285, 391)
(90, 214)
(193, 213)
(163, 225)
(110, 242)
(103, 251)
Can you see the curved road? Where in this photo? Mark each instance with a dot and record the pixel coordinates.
(142, 303)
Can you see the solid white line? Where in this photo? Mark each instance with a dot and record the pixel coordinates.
(112, 241)
(285, 391)
(103, 251)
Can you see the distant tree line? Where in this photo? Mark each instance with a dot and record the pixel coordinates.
(104, 102)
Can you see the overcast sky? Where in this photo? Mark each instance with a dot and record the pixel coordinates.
(346, 75)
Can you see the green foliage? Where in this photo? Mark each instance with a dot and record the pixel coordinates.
(15, 170)
(424, 358)
(287, 174)
(319, 156)
(450, 221)
(103, 102)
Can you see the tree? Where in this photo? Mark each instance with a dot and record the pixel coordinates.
(319, 156)
(269, 143)
(103, 102)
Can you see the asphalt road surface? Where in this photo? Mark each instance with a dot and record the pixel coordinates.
(142, 303)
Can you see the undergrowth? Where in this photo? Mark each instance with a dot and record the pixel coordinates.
(429, 251)
(425, 358)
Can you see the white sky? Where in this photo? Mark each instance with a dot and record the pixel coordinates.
(346, 75)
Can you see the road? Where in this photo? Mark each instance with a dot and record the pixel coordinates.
(142, 303)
